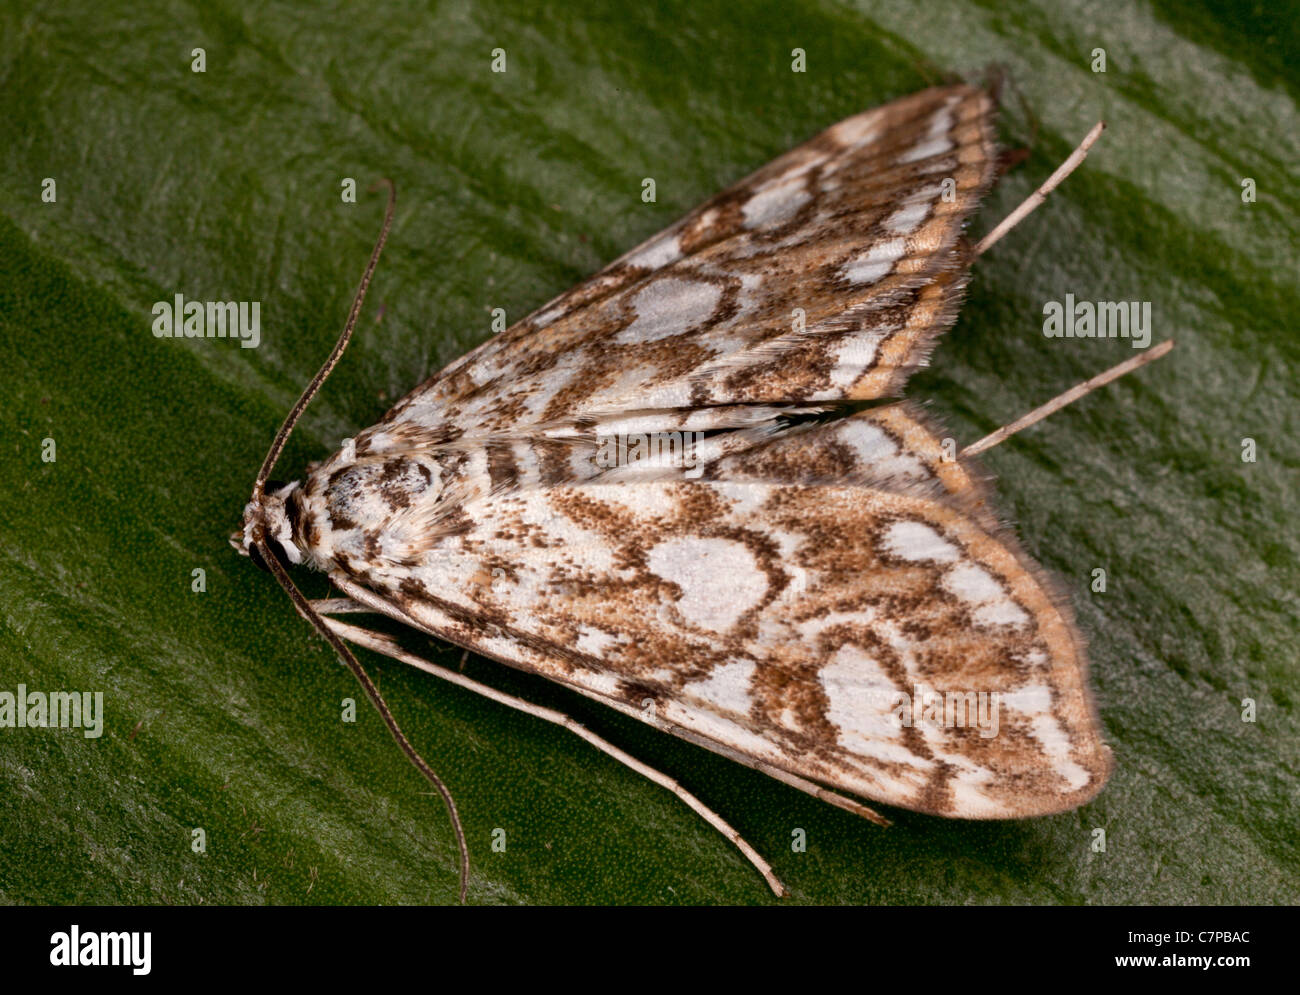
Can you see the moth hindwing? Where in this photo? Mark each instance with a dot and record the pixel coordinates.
(654, 491)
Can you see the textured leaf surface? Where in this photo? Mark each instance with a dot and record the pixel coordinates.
(223, 712)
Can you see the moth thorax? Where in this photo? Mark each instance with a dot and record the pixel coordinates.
(371, 491)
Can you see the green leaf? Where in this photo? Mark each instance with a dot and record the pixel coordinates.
(223, 712)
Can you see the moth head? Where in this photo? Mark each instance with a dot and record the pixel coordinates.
(270, 516)
(274, 509)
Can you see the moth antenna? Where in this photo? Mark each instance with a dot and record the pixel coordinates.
(282, 436)
(372, 692)
(282, 576)
(1038, 196)
(1069, 397)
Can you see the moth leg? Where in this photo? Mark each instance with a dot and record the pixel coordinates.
(339, 606)
(360, 595)
(381, 643)
(1069, 397)
(1038, 196)
(810, 787)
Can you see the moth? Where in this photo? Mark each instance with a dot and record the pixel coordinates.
(804, 555)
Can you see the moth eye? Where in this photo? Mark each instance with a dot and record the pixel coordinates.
(277, 550)
(255, 554)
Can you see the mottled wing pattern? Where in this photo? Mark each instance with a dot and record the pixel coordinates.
(894, 447)
(858, 228)
(779, 607)
(781, 591)
(781, 621)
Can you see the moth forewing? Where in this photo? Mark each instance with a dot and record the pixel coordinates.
(795, 576)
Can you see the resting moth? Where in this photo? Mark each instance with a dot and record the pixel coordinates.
(798, 564)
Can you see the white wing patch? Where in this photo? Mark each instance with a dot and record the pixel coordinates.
(776, 203)
(670, 306)
(936, 140)
(974, 585)
(657, 254)
(1035, 703)
(719, 579)
(727, 688)
(876, 263)
(918, 542)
